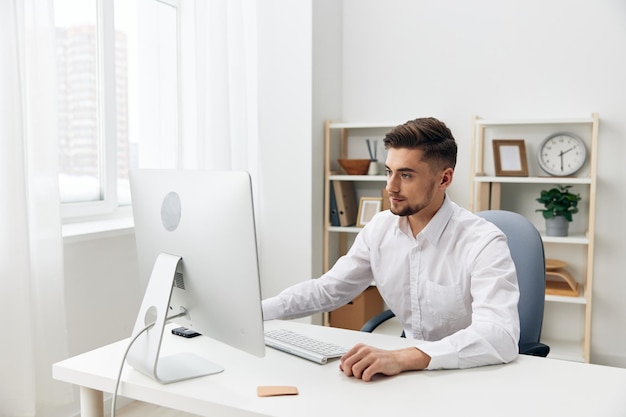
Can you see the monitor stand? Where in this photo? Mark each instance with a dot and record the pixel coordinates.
(144, 353)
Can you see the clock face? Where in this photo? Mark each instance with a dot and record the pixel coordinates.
(562, 154)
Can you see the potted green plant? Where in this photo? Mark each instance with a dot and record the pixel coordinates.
(559, 206)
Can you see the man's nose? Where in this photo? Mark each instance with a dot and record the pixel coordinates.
(392, 183)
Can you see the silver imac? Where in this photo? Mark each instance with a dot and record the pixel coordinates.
(197, 251)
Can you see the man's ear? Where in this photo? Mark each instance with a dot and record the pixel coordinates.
(446, 177)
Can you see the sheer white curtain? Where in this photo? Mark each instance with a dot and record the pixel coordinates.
(219, 79)
(219, 131)
(31, 261)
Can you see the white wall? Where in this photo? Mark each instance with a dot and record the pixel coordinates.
(327, 102)
(285, 100)
(102, 290)
(516, 59)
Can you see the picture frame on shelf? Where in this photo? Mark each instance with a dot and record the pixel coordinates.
(368, 207)
(509, 156)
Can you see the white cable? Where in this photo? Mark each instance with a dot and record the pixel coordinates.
(119, 374)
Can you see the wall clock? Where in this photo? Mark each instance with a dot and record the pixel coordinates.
(562, 154)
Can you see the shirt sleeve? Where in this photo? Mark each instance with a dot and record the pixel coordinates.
(350, 276)
(493, 335)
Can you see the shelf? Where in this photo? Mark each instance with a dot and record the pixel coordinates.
(487, 192)
(571, 239)
(565, 299)
(555, 121)
(361, 125)
(338, 138)
(344, 229)
(532, 180)
(564, 350)
(376, 178)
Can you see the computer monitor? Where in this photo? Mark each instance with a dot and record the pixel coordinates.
(197, 252)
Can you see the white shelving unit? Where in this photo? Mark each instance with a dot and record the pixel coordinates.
(568, 338)
(347, 140)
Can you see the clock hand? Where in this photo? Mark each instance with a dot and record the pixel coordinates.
(570, 149)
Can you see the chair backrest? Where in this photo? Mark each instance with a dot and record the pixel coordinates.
(528, 255)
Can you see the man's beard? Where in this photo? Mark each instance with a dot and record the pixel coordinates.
(407, 211)
(412, 209)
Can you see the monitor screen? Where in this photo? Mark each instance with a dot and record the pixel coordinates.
(197, 253)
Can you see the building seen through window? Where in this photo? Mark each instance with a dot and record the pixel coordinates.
(102, 47)
(79, 112)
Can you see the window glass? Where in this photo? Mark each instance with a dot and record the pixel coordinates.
(95, 156)
(79, 118)
(125, 79)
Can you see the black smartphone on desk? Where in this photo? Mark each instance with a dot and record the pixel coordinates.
(185, 332)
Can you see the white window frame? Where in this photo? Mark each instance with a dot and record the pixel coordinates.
(106, 110)
(107, 207)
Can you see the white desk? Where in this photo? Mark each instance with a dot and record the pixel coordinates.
(527, 387)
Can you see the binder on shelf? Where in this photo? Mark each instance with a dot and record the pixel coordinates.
(386, 202)
(334, 213)
(345, 198)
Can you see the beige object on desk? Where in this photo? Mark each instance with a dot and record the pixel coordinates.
(274, 390)
(558, 280)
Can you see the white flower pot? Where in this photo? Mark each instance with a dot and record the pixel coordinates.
(557, 226)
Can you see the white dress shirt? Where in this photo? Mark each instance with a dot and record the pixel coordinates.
(453, 285)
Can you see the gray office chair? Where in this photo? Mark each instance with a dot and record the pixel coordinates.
(528, 255)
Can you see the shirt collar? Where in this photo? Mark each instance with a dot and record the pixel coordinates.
(435, 227)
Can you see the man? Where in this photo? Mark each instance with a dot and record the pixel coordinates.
(446, 273)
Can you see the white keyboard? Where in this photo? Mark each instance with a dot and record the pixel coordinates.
(303, 346)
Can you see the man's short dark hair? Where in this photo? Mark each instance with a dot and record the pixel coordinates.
(429, 135)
